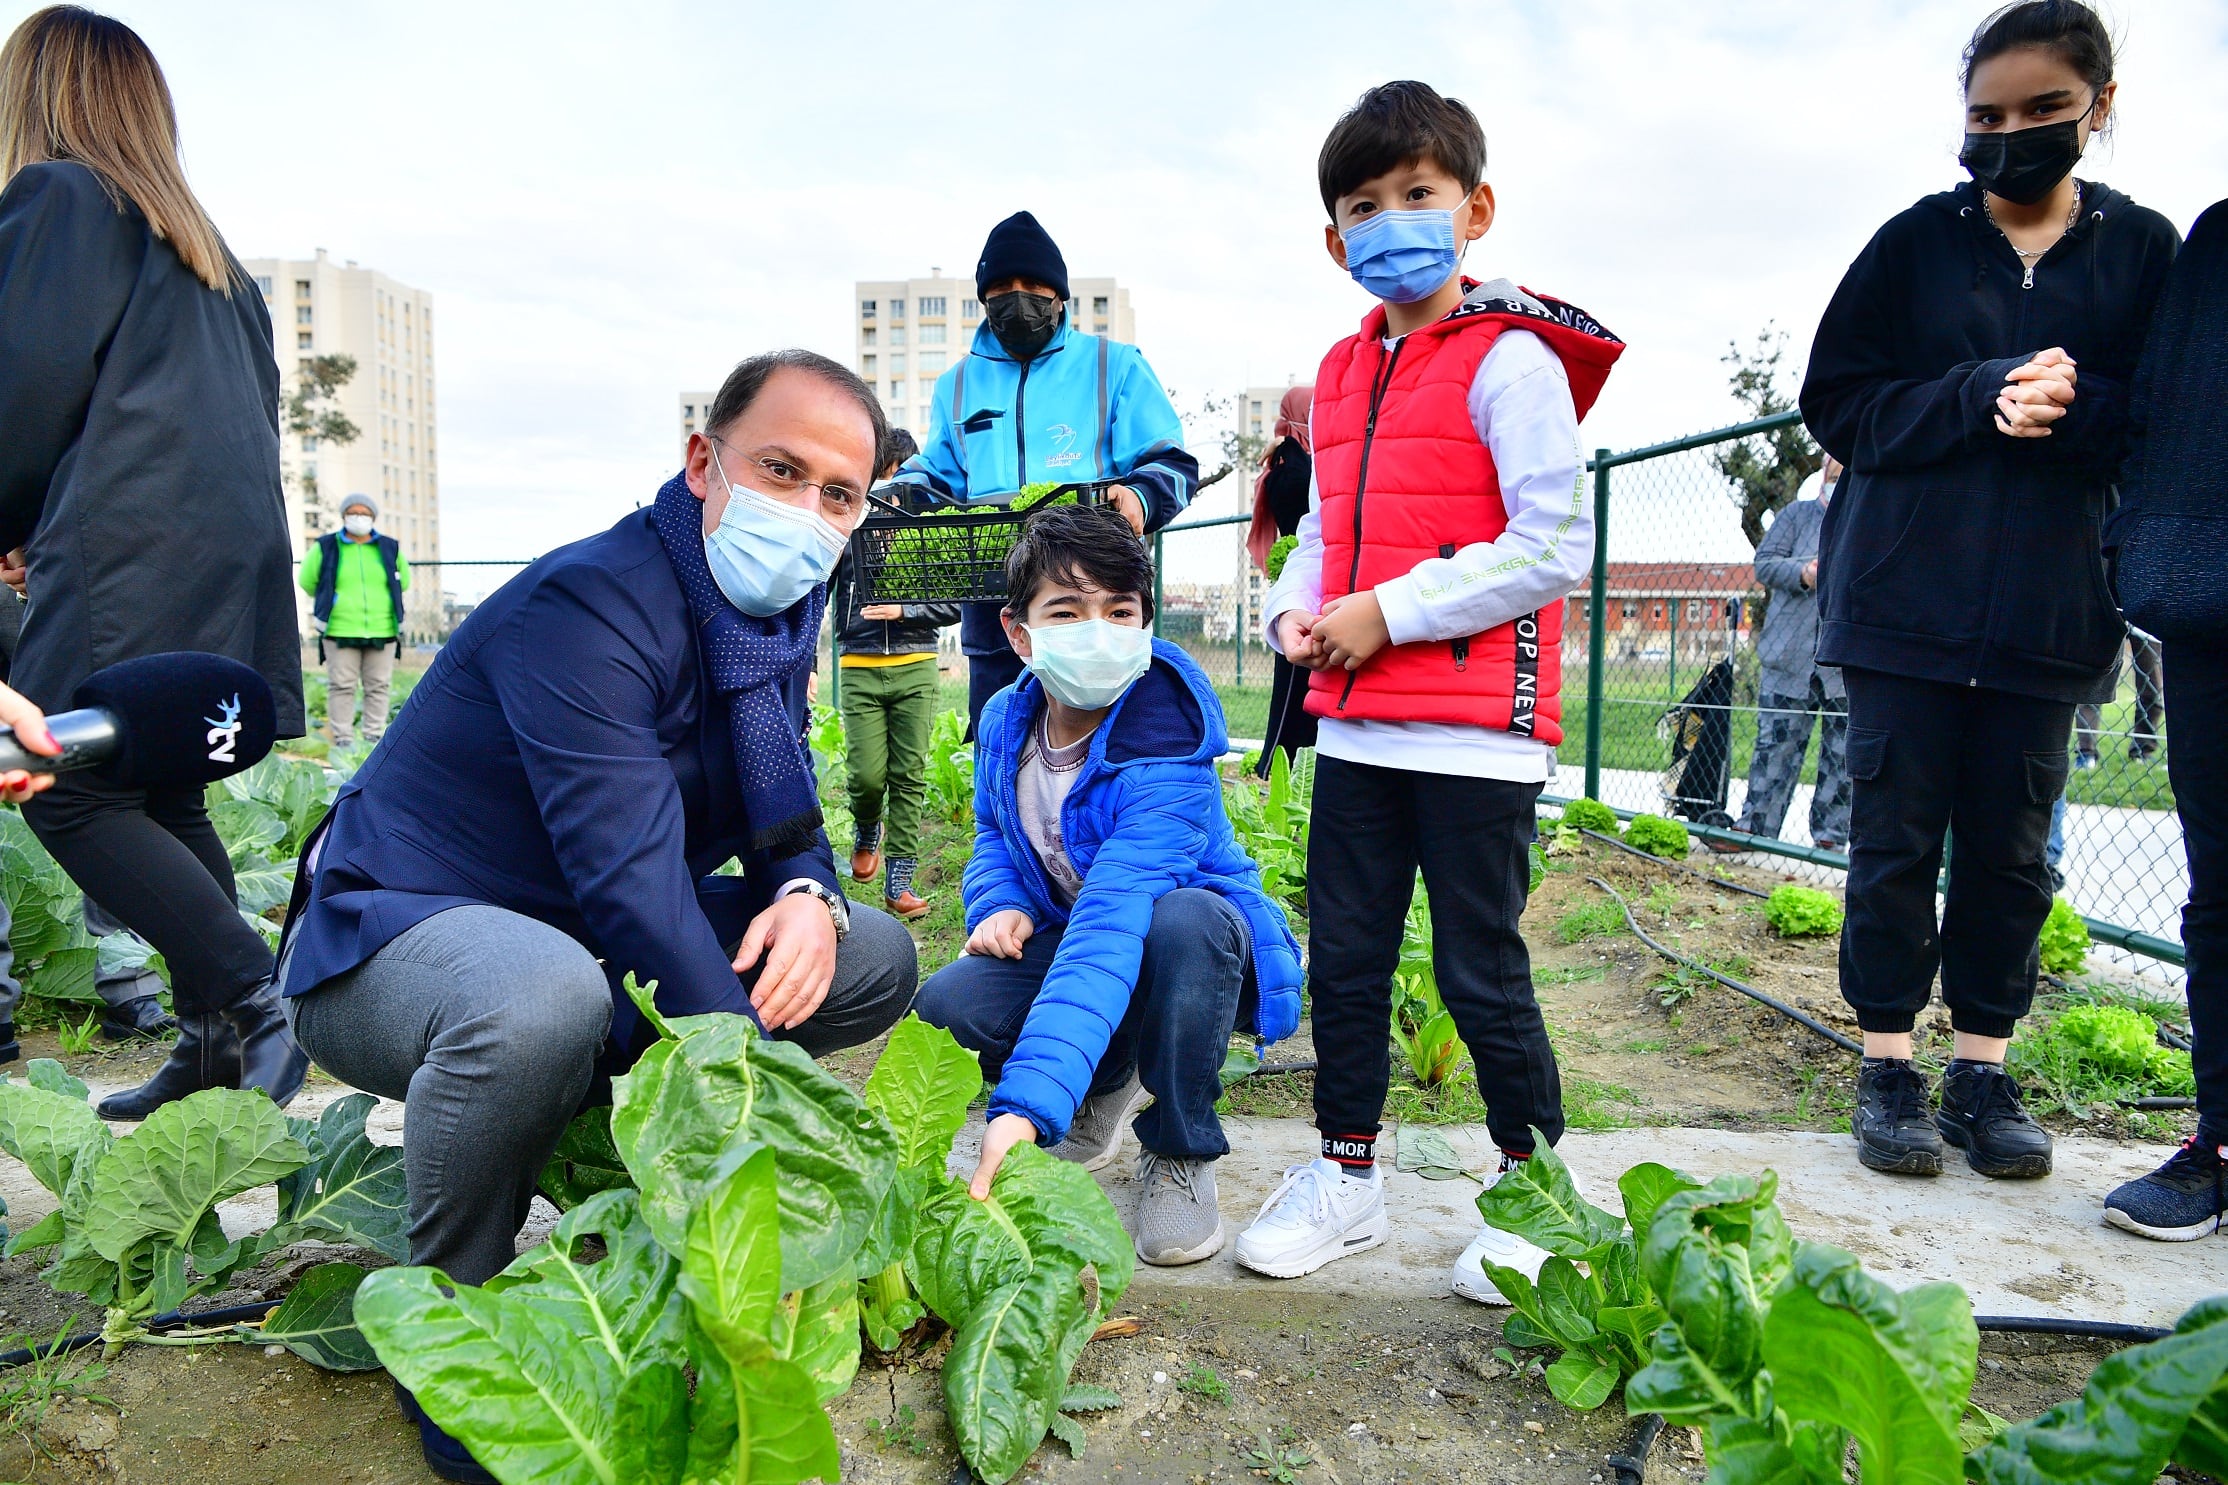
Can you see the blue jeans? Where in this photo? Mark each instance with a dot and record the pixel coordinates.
(1198, 963)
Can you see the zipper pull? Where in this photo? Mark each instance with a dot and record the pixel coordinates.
(2030, 282)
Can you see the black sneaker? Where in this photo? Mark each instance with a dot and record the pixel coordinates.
(1892, 1129)
(2181, 1201)
(1982, 1115)
(444, 1456)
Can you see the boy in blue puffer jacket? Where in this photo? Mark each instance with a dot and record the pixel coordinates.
(1117, 931)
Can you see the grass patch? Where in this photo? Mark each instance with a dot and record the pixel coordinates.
(1591, 1104)
(1203, 1381)
(1594, 920)
(1571, 974)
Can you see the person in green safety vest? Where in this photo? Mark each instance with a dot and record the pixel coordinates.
(356, 578)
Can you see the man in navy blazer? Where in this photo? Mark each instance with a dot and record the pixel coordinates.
(559, 791)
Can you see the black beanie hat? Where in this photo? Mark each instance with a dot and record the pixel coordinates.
(1019, 248)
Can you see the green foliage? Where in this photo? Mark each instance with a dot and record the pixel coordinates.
(1271, 823)
(1767, 469)
(1280, 552)
(1657, 836)
(951, 768)
(1802, 912)
(2115, 1038)
(1590, 814)
(1422, 1026)
(1205, 1382)
(318, 1321)
(2065, 940)
(585, 1162)
(948, 551)
(2093, 1053)
(1594, 920)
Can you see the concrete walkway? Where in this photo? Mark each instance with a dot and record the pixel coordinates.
(2019, 1248)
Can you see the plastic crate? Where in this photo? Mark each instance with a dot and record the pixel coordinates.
(957, 555)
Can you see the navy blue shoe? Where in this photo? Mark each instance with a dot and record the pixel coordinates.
(443, 1455)
(2181, 1201)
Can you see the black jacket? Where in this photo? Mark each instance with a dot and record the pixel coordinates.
(2171, 530)
(915, 634)
(1953, 552)
(138, 448)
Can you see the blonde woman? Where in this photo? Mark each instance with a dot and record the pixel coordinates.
(139, 502)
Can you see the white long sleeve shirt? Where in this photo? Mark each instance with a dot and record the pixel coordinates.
(1520, 404)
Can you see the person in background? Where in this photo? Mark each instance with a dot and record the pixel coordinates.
(1280, 502)
(1793, 688)
(1117, 932)
(2150, 706)
(887, 653)
(357, 577)
(139, 398)
(1971, 372)
(2171, 539)
(1035, 399)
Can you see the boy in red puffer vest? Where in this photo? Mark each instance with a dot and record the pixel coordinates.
(1449, 524)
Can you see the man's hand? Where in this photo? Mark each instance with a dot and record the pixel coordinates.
(15, 570)
(1132, 508)
(1001, 935)
(1810, 573)
(1295, 633)
(798, 939)
(1351, 630)
(883, 613)
(19, 712)
(1005, 1131)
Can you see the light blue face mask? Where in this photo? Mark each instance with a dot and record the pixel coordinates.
(765, 554)
(1402, 256)
(1090, 663)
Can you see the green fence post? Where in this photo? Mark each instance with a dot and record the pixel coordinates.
(1158, 564)
(1597, 624)
(1671, 685)
(1238, 640)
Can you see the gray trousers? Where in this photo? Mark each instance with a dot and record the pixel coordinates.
(1783, 725)
(486, 1024)
(345, 668)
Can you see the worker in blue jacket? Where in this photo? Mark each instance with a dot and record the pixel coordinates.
(1035, 399)
(1117, 930)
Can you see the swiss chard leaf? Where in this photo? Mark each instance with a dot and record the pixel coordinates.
(163, 1177)
(963, 1251)
(818, 1329)
(1847, 1351)
(1699, 1261)
(1058, 1208)
(1646, 1187)
(754, 1417)
(1581, 1380)
(623, 1301)
(351, 1190)
(888, 1240)
(1008, 1367)
(585, 1162)
(921, 1086)
(731, 1263)
(318, 1321)
(1538, 1201)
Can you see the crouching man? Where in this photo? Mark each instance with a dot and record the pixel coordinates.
(1117, 931)
(546, 815)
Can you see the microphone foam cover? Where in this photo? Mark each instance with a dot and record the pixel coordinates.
(185, 717)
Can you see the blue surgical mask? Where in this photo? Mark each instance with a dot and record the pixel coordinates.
(1402, 256)
(766, 554)
(1090, 663)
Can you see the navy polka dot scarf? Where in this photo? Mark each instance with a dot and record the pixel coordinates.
(747, 659)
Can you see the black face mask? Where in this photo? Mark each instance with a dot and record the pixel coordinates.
(1023, 322)
(2024, 165)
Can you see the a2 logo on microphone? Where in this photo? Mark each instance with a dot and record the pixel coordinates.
(225, 733)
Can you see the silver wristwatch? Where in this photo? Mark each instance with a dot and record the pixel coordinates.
(838, 906)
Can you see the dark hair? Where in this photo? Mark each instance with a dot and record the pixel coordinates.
(1393, 124)
(749, 378)
(896, 449)
(1078, 544)
(2068, 28)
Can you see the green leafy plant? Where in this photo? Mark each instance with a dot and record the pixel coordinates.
(1204, 1381)
(1657, 836)
(921, 1086)
(1422, 1026)
(2091, 1052)
(136, 1229)
(2065, 940)
(1802, 912)
(1590, 814)
(1280, 552)
(1271, 822)
(1274, 1461)
(951, 768)
(78, 1040)
(30, 1391)
(1593, 920)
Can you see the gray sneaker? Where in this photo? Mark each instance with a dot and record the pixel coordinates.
(1177, 1220)
(1095, 1136)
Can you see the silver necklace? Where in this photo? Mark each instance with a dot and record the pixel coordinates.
(2023, 254)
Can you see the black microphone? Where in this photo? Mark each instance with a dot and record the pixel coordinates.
(180, 718)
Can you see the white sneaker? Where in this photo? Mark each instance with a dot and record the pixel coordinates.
(1504, 1249)
(1318, 1214)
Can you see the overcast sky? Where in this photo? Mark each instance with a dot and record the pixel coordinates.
(610, 203)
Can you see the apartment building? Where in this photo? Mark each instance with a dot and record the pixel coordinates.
(320, 307)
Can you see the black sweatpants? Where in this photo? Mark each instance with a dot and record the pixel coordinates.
(151, 857)
(991, 663)
(1370, 830)
(1927, 757)
(2197, 762)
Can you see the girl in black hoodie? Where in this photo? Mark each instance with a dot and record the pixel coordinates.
(1971, 373)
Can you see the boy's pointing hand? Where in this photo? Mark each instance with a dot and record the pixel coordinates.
(1005, 1131)
(1351, 630)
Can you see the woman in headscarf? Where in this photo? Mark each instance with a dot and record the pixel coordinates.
(1280, 497)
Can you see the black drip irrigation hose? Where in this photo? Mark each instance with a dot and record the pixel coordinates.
(2092, 1330)
(1846, 1043)
(173, 1320)
(1632, 850)
(1631, 1467)
(1267, 1069)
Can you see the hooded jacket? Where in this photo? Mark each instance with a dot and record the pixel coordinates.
(1951, 551)
(1143, 819)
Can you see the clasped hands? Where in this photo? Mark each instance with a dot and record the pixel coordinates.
(2036, 395)
(1348, 631)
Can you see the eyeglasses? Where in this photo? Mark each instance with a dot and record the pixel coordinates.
(784, 479)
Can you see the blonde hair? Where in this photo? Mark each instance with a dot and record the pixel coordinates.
(79, 86)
